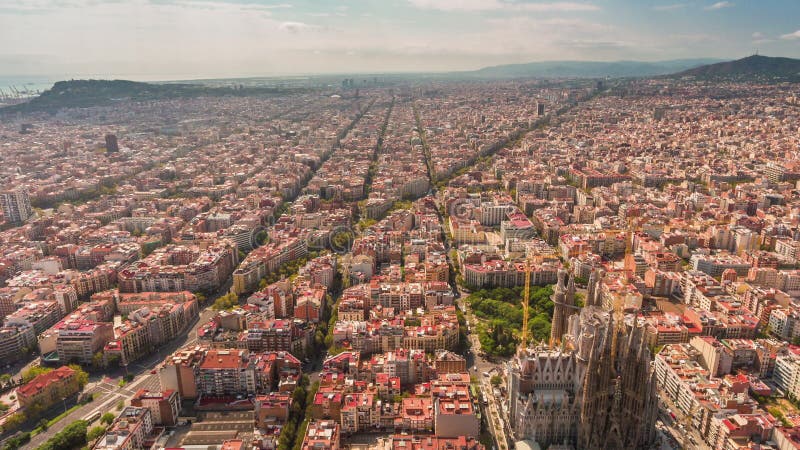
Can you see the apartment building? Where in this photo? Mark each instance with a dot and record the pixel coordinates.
(48, 389)
(129, 431)
(164, 406)
(78, 339)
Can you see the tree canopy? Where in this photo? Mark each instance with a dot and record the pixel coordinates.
(501, 309)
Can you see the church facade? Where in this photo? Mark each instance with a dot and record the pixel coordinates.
(593, 387)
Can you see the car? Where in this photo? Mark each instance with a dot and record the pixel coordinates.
(153, 372)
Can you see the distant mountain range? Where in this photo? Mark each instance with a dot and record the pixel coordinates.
(587, 69)
(756, 67)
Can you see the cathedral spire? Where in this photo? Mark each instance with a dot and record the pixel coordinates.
(564, 306)
(571, 291)
(562, 275)
(590, 286)
(598, 294)
(612, 399)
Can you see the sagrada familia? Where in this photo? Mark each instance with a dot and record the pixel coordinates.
(592, 387)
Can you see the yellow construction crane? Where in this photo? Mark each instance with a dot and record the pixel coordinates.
(526, 294)
(629, 237)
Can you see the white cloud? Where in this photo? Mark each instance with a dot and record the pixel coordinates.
(718, 5)
(791, 36)
(760, 38)
(501, 5)
(163, 39)
(550, 26)
(671, 7)
(295, 27)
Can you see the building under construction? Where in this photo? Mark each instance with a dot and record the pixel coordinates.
(592, 387)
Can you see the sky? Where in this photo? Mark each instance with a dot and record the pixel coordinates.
(190, 39)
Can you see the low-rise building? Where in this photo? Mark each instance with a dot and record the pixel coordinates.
(321, 435)
(48, 389)
(129, 430)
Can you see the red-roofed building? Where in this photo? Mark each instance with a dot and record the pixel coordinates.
(78, 340)
(178, 372)
(322, 436)
(164, 406)
(309, 303)
(725, 431)
(232, 444)
(455, 416)
(387, 385)
(417, 414)
(787, 438)
(223, 373)
(360, 412)
(274, 335)
(129, 431)
(327, 404)
(272, 408)
(48, 388)
(416, 442)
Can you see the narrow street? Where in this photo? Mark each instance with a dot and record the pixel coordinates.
(687, 437)
(479, 367)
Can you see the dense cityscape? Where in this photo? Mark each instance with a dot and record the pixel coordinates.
(475, 265)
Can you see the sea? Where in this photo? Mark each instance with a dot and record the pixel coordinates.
(25, 85)
(30, 85)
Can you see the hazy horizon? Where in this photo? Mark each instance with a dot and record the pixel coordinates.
(159, 40)
(170, 77)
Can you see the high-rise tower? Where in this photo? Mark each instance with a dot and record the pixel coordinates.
(111, 143)
(16, 205)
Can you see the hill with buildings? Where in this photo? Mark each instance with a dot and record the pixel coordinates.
(755, 67)
(89, 93)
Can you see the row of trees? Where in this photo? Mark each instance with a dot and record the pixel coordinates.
(463, 342)
(72, 436)
(319, 344)
(329, 316)
(226, 302)
(294, 430)
(286, 270)
(15, 442)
